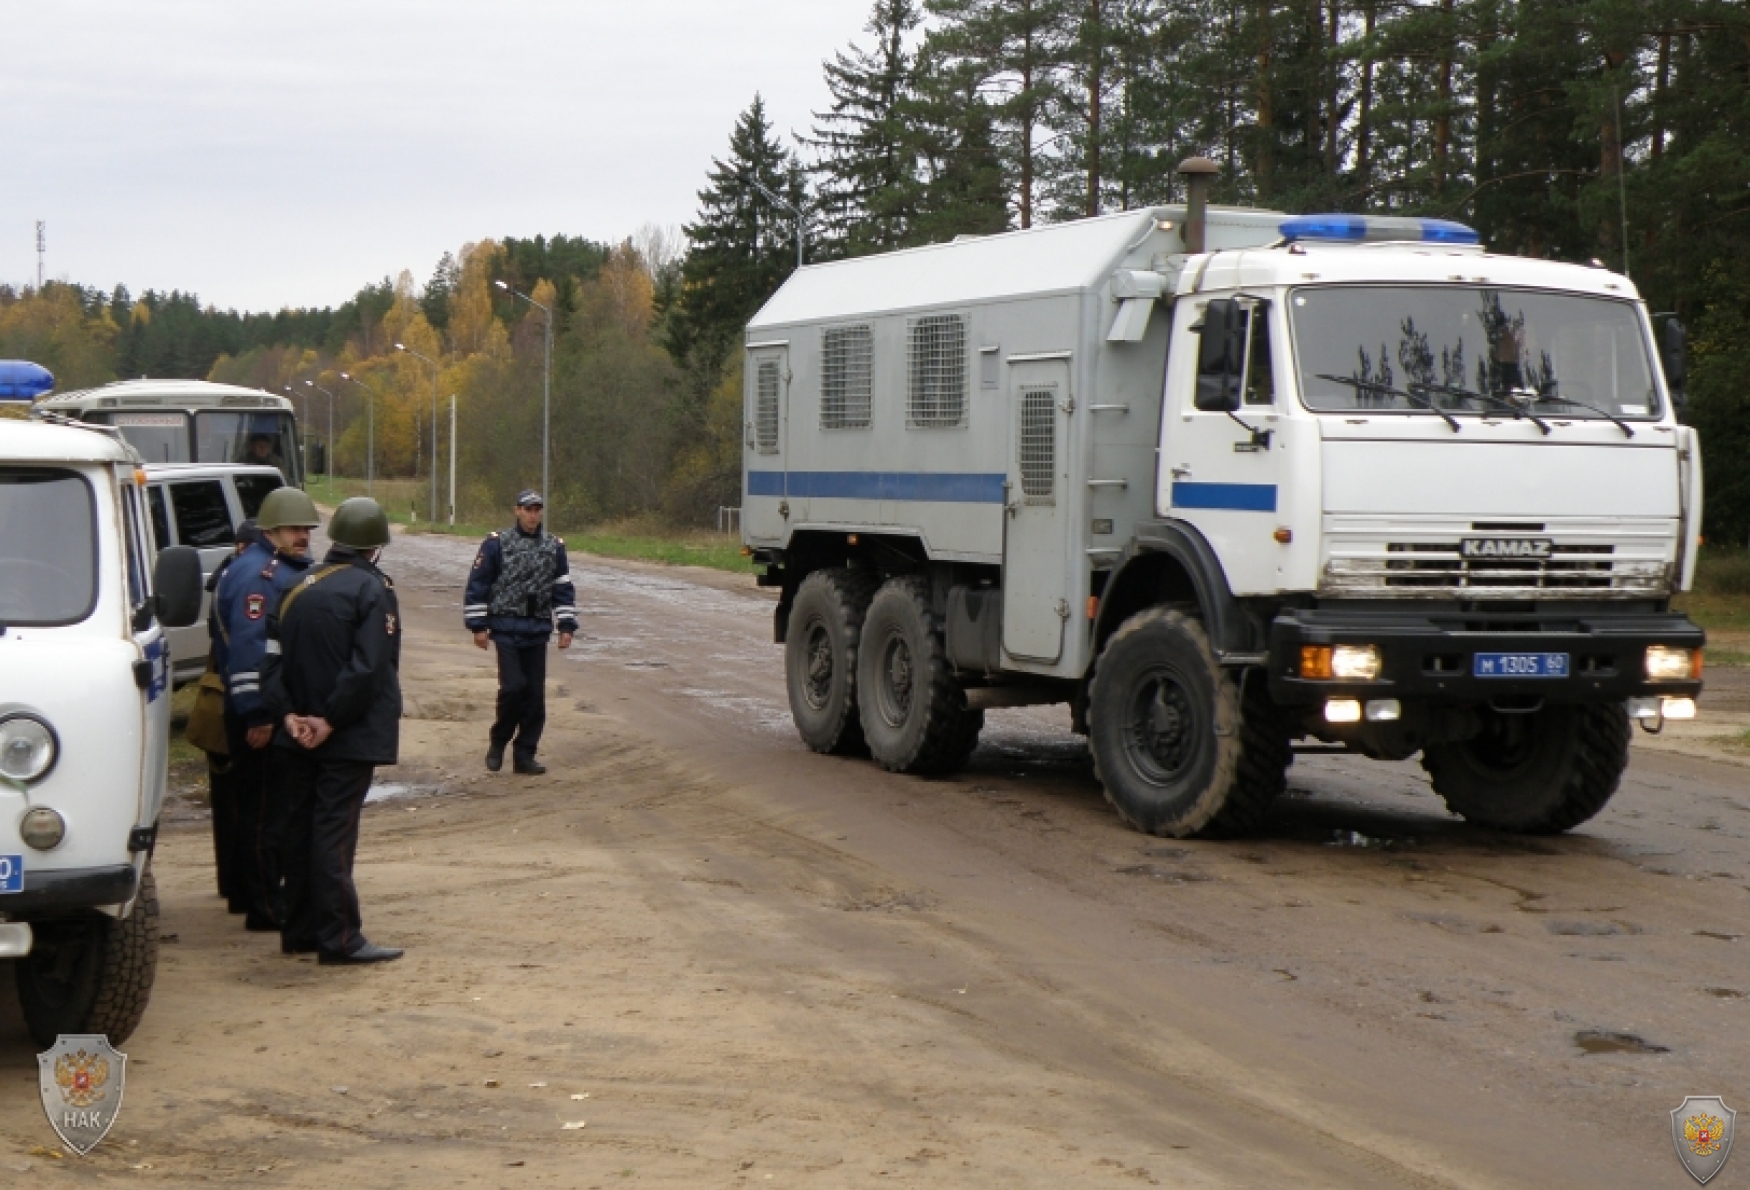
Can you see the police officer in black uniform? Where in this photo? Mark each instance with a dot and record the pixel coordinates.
(519, 587)
(220, 794)
(333, 680)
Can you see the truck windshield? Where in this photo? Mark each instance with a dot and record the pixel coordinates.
(1442, 350)
(48, 547)
(246, 438)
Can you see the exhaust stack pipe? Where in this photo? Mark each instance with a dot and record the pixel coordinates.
(1198, 173)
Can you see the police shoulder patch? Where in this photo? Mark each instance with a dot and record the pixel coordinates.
(255, 606)
(388, 582)
(389, 622)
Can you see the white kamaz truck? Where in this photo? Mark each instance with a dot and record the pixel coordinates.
(1223, 480)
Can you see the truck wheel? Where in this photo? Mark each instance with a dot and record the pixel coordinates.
(1182, 746)
(91, 974)
(914, 713)
(1535, 774)
(820, 658)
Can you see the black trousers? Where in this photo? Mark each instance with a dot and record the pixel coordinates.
(255, 867)
(522, 697)
(323, 800)
(224, 805)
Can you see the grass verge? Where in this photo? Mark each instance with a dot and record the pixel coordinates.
(641, 539)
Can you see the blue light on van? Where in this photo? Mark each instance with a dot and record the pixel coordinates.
(21, 380)
(1359, 229)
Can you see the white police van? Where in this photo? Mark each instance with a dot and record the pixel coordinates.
(1231, 483)
(84, 723)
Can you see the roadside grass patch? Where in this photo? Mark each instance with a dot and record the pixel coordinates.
(1721, 599)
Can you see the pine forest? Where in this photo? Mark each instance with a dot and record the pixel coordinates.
(1607, 130)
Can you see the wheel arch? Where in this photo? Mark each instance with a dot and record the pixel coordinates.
(1171, 562)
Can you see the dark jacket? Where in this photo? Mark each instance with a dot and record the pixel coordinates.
(249, 588)
(335, 653)
(554, 600)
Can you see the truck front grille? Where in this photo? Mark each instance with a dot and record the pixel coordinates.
(1386, 561)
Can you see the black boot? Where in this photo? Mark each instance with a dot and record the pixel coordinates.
(494, 757)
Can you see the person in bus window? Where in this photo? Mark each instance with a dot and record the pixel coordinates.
(260, 450)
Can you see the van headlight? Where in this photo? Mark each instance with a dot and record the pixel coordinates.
(27, 748)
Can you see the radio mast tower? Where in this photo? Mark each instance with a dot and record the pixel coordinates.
(41, 247)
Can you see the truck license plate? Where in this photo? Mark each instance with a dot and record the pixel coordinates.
(1520, 665)
(11, 873)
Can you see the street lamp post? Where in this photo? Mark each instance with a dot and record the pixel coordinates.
(452, 459)
(546, 392)
(328, 458)
(370, 433)
(434, 421)
(782, 206)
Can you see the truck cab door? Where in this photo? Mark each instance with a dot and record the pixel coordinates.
(1036, 512)
(1222, 470)
(153, 676)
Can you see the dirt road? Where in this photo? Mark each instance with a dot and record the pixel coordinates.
(695, 954)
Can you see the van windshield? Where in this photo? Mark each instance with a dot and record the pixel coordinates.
(1471, 350)
(48, 547)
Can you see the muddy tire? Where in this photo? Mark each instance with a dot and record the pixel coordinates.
(915, 717)
(91, 974)
(820, 658)
(1182, 746)
(1534, 774)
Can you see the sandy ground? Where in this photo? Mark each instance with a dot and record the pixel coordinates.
(695, 954)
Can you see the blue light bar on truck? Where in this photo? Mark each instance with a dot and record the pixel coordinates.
(21, 380)
(1362, 229)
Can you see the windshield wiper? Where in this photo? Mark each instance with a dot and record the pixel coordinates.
(1539, 395)
(1512, 406)
(1368, 386)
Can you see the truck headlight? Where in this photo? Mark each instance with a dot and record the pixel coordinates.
(1355, 662)
(27, 748)
(1666, 664)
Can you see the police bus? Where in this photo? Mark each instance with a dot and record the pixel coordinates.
(192, 421)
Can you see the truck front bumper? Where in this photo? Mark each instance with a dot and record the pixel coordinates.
(55, 893)
(1429, 656)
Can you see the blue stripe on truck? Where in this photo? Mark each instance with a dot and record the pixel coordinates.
(945, 487)
(1238, 497)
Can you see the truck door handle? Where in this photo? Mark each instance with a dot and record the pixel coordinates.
(1182, 471)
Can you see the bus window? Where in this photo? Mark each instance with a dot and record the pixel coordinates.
(159, 437)
(247, 438)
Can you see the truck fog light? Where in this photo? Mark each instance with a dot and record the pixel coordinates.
(27, 748)
(1643, 708)
(1343, 710)
(1384, 710)
(1665, 664)
(1677, 708)
(42, 828)
(1356, 662)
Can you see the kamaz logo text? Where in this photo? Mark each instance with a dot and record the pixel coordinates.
(1535, 548)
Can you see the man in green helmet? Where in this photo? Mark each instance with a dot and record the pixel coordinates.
(250, 589)
(333, 681)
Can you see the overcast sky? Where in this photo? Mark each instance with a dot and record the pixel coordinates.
(267, 154)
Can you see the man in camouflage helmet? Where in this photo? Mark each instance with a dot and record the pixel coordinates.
(246, 595)
(333, 681)
(519, 588)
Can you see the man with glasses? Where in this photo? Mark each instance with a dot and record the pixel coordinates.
(519, 589)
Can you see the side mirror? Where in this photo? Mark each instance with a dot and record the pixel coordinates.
(176, 583)
(1220, 356)
(1674, 354)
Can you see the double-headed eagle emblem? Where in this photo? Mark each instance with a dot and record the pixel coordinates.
(81, 1077)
